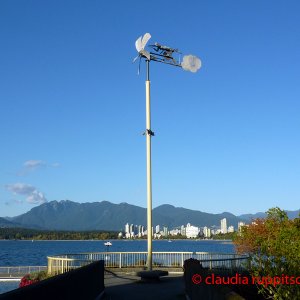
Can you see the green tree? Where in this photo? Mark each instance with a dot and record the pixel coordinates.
(274, 244)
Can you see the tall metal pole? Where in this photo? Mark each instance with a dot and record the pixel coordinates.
(149, 172)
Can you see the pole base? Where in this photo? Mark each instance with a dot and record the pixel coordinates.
(151, 276)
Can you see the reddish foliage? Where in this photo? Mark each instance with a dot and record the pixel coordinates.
(251, 237)
(26, 280)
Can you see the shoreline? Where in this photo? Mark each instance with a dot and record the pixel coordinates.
(123, 240)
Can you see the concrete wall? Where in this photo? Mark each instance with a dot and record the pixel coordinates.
(83, 283)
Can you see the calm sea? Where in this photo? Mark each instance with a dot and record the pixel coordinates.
(34, 253)
(28, 253)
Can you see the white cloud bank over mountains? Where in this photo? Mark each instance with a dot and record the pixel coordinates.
(31, 193)
(33, 196)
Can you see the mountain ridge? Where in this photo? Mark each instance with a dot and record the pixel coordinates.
(7, 223)
(104, 215)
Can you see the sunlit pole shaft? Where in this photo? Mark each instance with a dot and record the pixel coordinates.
(149, 172)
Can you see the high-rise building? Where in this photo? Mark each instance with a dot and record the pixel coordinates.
(240, 225)
(224, 225)
(191, 231)
(182, 230)
(131, 228)
(127, 231)
(230, 229)
(165, 230)
(157, 229)
(140, 230)
(174, 231)
(207, 232)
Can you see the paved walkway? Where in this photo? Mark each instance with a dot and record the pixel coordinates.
(122, 286)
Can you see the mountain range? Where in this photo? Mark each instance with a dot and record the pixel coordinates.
(6, 223)
(68, 215)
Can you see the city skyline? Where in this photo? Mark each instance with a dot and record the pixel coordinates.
(189, 231)
(73, 109)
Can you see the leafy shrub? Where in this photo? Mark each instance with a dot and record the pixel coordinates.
(33, 278)
(274, 244)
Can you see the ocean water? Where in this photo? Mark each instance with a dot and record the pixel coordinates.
(6, 286)
(28, 253)
(34, 253)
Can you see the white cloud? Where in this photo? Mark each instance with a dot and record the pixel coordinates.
(33, 164)
(36, 197)
(33, 196)
(55, 165)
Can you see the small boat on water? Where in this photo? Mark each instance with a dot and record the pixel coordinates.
(107, 245)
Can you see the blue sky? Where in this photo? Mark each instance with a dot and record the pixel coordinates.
(73, 107)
